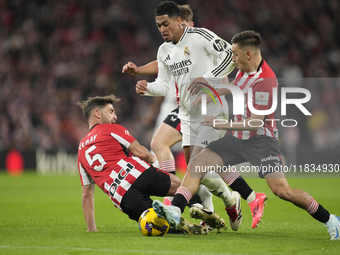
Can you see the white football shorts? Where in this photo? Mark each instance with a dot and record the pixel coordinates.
(194, 134)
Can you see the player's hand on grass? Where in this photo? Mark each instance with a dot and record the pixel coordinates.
(196, 84)
(92, 230)
(141, 87)
(130, 68)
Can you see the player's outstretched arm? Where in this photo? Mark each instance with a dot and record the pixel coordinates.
(140, 151)
(199, 83)
(148, 69)
(130, 68)
(141, 87)
(87, 202)
(220, 92)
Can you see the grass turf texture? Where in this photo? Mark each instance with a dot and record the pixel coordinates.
(43, 215)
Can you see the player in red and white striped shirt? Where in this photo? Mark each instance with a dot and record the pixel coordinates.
(111, 158)
(261, 84)
(251, 140)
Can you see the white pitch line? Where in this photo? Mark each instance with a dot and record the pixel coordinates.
(111, 250)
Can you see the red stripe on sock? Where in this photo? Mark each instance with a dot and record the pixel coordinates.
(232, 176)
(184, 192)
(168, 166)
(312, 206)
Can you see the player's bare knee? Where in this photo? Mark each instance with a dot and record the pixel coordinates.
(154, 144)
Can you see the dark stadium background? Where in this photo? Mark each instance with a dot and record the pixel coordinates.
(55, 53)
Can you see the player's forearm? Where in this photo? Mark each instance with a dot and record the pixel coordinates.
(222, 92)
(145, 154)
(140, 151)
(156, 88)
(149, 69)
(88, 210)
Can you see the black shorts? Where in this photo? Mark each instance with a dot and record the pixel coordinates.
(261, 151)
(152, 182)
(173, 120)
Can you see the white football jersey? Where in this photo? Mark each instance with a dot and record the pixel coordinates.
(199, 53)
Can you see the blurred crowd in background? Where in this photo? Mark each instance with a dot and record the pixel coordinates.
(56, 53)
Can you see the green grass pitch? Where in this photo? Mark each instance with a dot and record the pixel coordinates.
(43, 215)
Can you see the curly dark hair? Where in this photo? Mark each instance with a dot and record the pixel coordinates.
(168, 8)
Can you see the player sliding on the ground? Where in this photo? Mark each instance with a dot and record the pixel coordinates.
(111, 158)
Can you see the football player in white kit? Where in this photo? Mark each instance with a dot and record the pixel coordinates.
(199, 54)
(216, 46)
(168, 130)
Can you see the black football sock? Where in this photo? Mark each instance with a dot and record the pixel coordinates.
(179, 201)
(195, 200)
(241, 187)
(321, 214)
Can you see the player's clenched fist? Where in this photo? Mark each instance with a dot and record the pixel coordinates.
(141, 87)
(130, 68)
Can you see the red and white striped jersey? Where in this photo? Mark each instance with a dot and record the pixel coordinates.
(262, 83)
(104, 159)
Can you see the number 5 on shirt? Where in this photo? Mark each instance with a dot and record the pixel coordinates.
(95, 157)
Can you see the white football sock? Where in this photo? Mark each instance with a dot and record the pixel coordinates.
(218, 187)
(206, 197)
(251, 197)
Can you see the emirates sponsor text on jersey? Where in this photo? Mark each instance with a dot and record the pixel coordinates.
(180, 68)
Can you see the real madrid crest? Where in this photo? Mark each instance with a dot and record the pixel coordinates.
(186, 51)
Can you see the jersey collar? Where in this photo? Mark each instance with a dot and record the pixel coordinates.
(258, 69)
(184, 33)
(93, 126)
